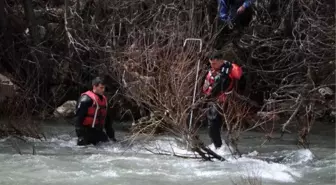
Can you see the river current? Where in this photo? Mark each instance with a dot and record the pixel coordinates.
(57, 160)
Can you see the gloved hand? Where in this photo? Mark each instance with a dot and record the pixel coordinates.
(220, 79)
(82, 141)
(80, 132)
(225, 70)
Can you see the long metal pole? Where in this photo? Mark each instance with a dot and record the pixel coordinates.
(198, 64)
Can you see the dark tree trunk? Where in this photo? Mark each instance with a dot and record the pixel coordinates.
(2, 17)
(30, 17)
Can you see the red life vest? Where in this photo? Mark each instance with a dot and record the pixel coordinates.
(235, 73)
(97, 112)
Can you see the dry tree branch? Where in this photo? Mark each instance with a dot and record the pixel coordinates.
(299, 102)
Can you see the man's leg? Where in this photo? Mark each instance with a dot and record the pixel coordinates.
(99, 136)
(103, 136)
(214, 124)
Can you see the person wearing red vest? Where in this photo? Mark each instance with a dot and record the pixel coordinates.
(92, 118)
(219, 82)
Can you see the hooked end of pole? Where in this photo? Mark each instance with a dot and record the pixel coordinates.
(194, 39)
(184, 43)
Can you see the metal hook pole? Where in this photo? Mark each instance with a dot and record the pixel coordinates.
(198, 64)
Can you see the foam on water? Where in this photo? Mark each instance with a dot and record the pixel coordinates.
(102, 155)
(299, 157)
(258, 168)
(272, 171)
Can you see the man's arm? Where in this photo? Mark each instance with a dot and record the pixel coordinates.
(83, 103)
(221, 79)
(109, 128)
(248, 3)
(217, 87)
(223, 10)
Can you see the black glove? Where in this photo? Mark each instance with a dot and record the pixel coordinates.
(80, 132)
(225, 69)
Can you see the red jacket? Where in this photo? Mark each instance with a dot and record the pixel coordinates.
(234, 74)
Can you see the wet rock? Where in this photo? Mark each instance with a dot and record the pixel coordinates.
(7, 88)
(333, 113)
(41, 31)
(328, 108)
(52, 27)
(66, 110)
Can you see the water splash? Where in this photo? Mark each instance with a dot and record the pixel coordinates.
(298, 157)
(109, 156)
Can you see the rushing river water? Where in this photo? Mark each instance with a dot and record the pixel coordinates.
(59, 161)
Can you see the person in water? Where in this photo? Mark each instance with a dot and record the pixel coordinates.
(219, 82)
(91, 116)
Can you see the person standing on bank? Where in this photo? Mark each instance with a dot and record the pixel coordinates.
(234, 17)
(91, 116)
(219, 82)
(231, 11)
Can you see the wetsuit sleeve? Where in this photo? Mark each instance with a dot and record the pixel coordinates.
(109, 128)
(83, 104)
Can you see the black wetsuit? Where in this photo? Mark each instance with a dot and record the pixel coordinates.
(86, 134)
(213, 115)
